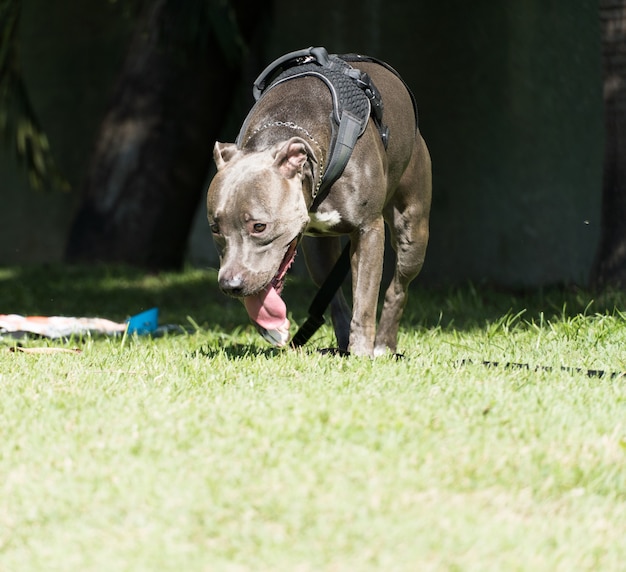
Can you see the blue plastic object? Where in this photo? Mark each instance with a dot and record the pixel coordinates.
(144, 322)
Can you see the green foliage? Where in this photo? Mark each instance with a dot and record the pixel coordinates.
(19, 126)
(211, 450)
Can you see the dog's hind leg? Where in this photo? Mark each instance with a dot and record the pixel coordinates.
(407, 216)
(320, 255)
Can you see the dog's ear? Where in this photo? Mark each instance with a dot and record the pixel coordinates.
(223, 152)
(291, 157)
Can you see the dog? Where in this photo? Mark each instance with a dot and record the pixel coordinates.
(260, 204)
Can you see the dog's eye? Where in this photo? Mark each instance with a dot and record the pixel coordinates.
(259, 227)
(215, 228)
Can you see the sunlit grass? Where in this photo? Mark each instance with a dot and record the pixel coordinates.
(211, 451)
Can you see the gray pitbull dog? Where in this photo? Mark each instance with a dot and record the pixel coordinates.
(259, 206)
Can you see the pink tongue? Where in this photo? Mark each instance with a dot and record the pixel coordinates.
(267, 309)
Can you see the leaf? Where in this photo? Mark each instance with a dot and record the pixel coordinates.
(19, 349)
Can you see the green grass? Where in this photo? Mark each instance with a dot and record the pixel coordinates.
(212, 451)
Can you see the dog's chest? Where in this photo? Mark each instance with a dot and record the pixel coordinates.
(326, 222)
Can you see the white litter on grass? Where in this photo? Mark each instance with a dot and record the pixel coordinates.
(145, 322)
(58, 326)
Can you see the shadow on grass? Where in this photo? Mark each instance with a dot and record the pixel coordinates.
(193, 296)
(234, 352)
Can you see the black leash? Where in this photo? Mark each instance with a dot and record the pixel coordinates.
(322, 299)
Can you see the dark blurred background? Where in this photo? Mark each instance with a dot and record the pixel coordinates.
(132, 95)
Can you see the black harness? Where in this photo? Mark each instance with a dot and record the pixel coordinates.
(355, 100)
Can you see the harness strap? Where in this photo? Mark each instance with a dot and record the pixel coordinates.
(349, 131)
(322, 299)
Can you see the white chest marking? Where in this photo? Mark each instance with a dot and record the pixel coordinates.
(324, 221)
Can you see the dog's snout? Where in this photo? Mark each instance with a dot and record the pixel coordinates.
(231, 285)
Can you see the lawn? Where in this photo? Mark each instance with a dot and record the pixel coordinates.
(208, 450)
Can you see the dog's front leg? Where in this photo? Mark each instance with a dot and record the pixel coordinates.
(368, 245)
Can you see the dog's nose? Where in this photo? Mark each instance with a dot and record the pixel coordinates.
(232, 286)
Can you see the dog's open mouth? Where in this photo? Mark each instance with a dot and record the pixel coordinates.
(279, 280)
(267, 309)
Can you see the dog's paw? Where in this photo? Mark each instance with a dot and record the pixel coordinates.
(382, 351)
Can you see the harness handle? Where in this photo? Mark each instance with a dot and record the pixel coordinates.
(319, 54)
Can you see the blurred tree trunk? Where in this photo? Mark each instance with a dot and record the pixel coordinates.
(610, 264)
(154, 148)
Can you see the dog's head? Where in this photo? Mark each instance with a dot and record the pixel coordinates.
(257, 213)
